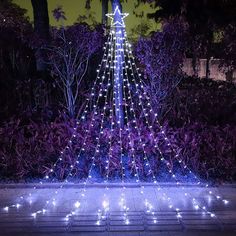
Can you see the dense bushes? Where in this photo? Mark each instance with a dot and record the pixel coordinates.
(28, 144)
(29, 150)
(206, 101)
(202, 129)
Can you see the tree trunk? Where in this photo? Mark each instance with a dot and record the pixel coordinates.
(41, 30)
(118, 83)
(70, 101)
(104, 12)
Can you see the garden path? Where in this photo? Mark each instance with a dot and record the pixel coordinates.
(169, 212)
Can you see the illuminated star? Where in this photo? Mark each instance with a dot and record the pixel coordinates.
(117, 18)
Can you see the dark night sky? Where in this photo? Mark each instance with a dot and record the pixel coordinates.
(74, 8)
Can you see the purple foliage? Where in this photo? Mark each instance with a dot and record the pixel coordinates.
(13, 19)
(76, 39)
(29, 148)
(87, 39)
(162, 55)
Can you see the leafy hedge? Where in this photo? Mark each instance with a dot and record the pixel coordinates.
(201, 129)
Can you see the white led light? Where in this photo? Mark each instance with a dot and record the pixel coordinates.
(226, 201)
(6, 208)
(77, 204)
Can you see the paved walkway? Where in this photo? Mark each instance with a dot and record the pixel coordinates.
(164, 211)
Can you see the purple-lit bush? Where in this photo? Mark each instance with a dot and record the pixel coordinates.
(28, 145)
(161, 57)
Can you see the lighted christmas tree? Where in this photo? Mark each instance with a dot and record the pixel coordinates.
(117, 114)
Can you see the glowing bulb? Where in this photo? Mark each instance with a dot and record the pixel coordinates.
(179, 216)
(105, 204)
(77, 204)
(6, 208)
(225, 201)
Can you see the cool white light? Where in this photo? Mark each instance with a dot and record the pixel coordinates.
(6, 208)
(77, 204)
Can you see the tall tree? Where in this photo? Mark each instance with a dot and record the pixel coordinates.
(104, 11)
(41, 30)
(69, 54)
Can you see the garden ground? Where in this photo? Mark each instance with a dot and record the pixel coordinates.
(154, 218)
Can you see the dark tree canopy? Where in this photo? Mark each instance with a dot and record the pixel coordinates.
(221, 11)
(206, 20)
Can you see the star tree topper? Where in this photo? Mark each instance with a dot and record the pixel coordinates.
(117, 18)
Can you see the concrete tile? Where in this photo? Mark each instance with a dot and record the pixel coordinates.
(159, 233)
(203, 233)
(165, 227)
(87, 229)
(126, 228)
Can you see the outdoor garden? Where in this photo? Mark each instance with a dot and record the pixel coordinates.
(97, 104)
(43, 93)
